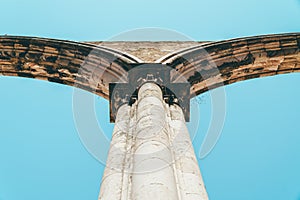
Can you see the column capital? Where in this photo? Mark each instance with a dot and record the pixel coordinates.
(141, 73)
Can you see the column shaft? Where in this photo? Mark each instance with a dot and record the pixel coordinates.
(151, 154)
(190, 181)
(112, 181)
(153, 173)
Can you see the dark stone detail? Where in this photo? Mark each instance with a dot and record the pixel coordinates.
(258, 69)
(71, 69)
(22, 54)
(202, 75)
(24, 42)
(224, 46)
(119, 94)
(227, 75)
(62, 74)
(239, 44)
(178, 61)
(251, 76)
(226, 82)
(75, 66)
(24, 74)
(4, 56)
(19, 66)
(225, 69)
(33, 56)
(271, 54)
(282, 52)
(50, 69)
(51, 59)
(247, 70)
(56, 80)
(290, 51)
(196, 78)
(178, 93)
(253, 41)
(227, 66)
(13, 54)
(7, 43)
(127, 93)
(142, 73)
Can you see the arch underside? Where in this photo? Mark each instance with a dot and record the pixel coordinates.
(93, 67)
(85, 66)
(221, 63)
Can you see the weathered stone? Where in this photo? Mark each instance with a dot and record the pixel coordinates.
(150, 133)
(161, 156)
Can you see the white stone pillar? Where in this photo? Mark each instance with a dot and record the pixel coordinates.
(112, 180)
(151, 155)
(153, 173)
(190, 182)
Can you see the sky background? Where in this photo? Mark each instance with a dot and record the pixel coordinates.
(257, 156)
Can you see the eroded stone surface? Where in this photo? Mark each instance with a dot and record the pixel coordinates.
(204, 65)
(159, 153)
(149, 51)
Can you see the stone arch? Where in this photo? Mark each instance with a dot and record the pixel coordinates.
(236, 60)
(60, 61)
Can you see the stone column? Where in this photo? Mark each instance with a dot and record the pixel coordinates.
(151, 155)
(112, 180)
(153, 171)
(190, 181)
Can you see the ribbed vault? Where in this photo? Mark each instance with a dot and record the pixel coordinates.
(205, 66)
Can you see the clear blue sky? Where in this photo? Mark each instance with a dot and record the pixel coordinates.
(257, 156)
